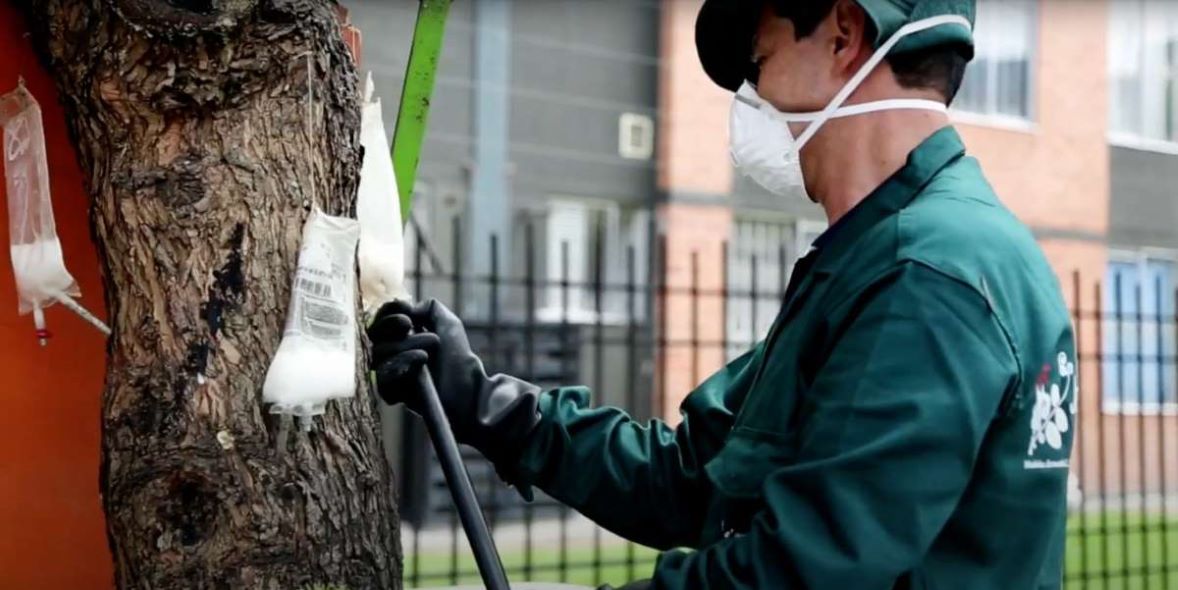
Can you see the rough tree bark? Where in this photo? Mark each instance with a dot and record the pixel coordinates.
(189, 118)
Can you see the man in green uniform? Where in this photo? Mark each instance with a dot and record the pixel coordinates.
(908, 420)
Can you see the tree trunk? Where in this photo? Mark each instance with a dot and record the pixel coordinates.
(190, 118)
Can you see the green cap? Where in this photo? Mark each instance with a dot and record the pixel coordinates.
(724, 31)
(889, 15)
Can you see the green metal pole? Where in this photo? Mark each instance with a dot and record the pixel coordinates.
(413, 113)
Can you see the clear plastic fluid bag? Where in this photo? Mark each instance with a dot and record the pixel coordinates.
(378, 208)
(37, 262)
(316, 360)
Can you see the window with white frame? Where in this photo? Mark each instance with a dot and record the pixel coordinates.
(1143, 70)
(1138, 331)
(998, 80)
(761, 256)
(594, 251)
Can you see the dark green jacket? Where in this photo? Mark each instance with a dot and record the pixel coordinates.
(907, 423)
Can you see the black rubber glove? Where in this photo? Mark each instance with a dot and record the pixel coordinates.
(492, 414)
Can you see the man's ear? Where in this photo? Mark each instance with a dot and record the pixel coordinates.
(849, 42)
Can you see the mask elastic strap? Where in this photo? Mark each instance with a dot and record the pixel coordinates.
(872, 62)
(893, 104)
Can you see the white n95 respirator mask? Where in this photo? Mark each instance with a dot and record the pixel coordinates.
(766, 150)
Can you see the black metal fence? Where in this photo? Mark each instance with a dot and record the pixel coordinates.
(631, 335)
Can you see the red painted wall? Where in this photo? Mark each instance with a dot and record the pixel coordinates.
(52, 533)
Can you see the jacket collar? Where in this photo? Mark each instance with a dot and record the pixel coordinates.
(936, 152)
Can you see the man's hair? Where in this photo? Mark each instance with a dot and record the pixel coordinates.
(937, 68)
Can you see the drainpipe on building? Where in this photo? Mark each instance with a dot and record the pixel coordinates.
(489, 206)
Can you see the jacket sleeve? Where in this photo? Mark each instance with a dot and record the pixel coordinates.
(644, 482)
(883, 448)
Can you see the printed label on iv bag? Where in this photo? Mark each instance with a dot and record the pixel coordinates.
(316, 360)
(37, 262)
(322, 306)
(317, 310)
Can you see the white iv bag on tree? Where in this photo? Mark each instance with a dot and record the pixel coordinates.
(37, 263)
(316, 360)
(378, 208)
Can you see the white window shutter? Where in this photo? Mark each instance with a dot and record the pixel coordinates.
(567, 224)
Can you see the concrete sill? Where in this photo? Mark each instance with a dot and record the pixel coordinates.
(1003, 122)
(578, 316)
(1133, 142)
(1130, 409)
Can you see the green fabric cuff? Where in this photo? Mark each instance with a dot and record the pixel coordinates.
(544, 441)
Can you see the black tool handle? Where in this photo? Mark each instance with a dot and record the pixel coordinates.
(457, 478)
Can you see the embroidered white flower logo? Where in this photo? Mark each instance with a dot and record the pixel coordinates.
(1049, 418)
(1067, 370)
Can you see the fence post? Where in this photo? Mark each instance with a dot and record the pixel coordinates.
(497, 360)
(1080, 448)
(660, 395)
(694, 293)
(562, 510)
(1098, 301)
(459, 296)
(530, 359)
(411, 426)
(631, 369)
(1162, 459)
